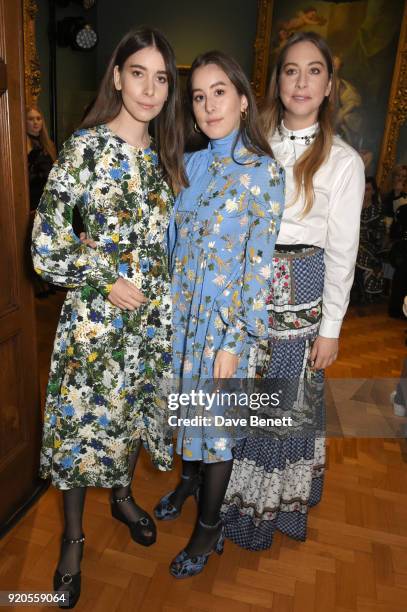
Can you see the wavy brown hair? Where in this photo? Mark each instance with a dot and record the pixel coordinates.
(273, 112)
(167, 127)
(249, 130)
(43, 137)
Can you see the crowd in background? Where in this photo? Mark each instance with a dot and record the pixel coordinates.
(382, 258)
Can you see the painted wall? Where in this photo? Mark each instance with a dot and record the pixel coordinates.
(191, 27)
(363, 35)
(76, 71)
(402, 146)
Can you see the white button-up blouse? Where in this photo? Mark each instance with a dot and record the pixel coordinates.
(332, 223)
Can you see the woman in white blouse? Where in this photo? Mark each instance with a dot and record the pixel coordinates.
(276, 479)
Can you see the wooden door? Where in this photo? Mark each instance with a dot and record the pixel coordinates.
(20, 422)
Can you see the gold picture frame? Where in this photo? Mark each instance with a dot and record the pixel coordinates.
(397, 107)
(262, 47)
(32, 73)
(396, 111)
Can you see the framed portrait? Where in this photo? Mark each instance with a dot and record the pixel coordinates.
(368, 42)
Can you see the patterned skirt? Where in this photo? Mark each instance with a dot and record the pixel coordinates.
(274, 481)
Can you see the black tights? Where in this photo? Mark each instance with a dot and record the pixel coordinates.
(71, 554)
(187, 484)
(74, 502)
(129, 509)
(215, 479)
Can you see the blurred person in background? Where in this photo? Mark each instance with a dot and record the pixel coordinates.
(41, 154)
(369, 273)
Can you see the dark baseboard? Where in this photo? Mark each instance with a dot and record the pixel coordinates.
(39, 490)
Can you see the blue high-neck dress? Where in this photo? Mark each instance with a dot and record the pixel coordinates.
(221, 242)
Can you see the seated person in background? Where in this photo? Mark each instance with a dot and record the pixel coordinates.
(368, 273)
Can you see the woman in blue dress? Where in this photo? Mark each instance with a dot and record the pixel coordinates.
(222, 237)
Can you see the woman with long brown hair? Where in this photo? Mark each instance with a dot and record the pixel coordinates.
(275, 481)
(222, 236)
(41, 154)
(112, 350)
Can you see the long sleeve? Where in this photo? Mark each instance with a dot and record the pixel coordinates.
(58, 254)
(342, 242)
(249, 292)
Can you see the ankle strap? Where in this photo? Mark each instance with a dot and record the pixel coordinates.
(74, 541)
(210, 526)
(119, 500)
(184, 477)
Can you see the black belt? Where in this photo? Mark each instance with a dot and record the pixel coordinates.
(284, 248)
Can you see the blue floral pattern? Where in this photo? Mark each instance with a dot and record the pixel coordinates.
(105, 387)
(222, 236)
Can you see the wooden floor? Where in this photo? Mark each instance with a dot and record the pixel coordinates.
(355, 557)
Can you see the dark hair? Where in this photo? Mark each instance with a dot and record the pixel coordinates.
(372, 181)
(313, 158)
(249, 128)
(167, 126)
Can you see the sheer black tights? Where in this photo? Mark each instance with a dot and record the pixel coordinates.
(71, 554)
(130, 510)
(74, 502)
(187, 484)
(215, 480)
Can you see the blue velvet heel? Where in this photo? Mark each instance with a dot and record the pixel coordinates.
(184, 566)
(166, 511)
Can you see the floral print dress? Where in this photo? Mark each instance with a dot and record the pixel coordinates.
(221, 239)
(105, 388)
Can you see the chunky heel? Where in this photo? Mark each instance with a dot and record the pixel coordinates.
(166, 511)
(71, 582)
(139, 527)
(220, 544)
(184, 566)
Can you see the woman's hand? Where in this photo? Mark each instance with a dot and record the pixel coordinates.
(87, 241)
(124, 295)
(324, 352)
(225, 365)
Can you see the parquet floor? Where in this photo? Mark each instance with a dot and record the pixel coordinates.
(355, 557)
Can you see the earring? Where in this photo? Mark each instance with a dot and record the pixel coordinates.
(196, 128)
(243, 115)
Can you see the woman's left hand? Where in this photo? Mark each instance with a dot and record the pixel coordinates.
(83, 238)
(225, 365)
(324, 352)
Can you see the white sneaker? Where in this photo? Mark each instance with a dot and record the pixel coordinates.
(398, 409)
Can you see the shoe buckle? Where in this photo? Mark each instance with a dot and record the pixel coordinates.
(67, 578)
